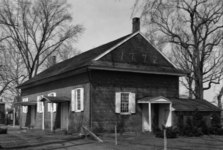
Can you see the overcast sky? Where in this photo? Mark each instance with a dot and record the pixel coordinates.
(104, 20)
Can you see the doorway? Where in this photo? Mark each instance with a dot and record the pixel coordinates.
(64, 115)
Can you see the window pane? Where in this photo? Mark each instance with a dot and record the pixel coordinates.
(124, 102)
(78, 99)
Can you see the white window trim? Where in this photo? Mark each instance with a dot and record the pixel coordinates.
(118, 110)
(25, 108)
(40, 104)
(74, 106)
(51, 107)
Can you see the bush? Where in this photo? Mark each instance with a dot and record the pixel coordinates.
(215, 121)
(3, 131)
(192, 129)
(170, 133)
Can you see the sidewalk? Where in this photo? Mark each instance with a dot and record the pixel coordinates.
(17, 138)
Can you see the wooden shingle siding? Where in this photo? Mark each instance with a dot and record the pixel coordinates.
(103, 113)
(76, 119)
(137, 51)
(106, 83)
(150, 85)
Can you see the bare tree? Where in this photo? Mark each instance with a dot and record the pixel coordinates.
(12, 71)
(219, 96)
(194, 29)
(36, 29)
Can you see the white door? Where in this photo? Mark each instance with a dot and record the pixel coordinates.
(145, 118)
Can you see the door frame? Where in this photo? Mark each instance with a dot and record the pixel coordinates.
(149, 101)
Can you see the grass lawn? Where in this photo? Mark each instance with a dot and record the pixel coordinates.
(145, 141)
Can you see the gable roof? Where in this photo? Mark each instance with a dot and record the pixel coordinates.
(90, 57)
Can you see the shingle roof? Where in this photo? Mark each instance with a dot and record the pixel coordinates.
(75, 62)
(87, 59)
(184, 104)
(193, 104)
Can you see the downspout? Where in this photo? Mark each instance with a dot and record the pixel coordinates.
(90, 97)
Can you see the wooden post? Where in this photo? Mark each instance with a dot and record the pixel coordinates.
(68, 113)
(43, 117)
(92, 134)
(14, 116)
(116, 138)
(170, 114)
(164, 138)
(150, 117)
(51, 116)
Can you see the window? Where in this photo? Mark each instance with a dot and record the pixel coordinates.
(77, 100)
(40, 108)
(124, 102)
(25, 108)
(52, 106)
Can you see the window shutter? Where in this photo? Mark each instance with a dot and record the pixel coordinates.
(117, 102)
(73, 100)
(132, 102)
(49, 107)
(25, 108)
(52, 106)
(82, 99)
(39, 104)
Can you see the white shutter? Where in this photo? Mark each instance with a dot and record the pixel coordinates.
(49, 108)
(39, 104)
(73, 100)
(25, 108)
(117, 102)
(132, 102)
(52, 106)
(82, 99)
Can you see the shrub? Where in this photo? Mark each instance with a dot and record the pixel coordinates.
(3, 131)
(170, 133)
(215, 121)
(191, 128)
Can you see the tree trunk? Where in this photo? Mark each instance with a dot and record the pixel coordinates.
(219, 98)
(199, 88)
(190, 87)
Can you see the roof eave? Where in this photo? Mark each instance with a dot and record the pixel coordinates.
(134, 71)
(53, 78)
